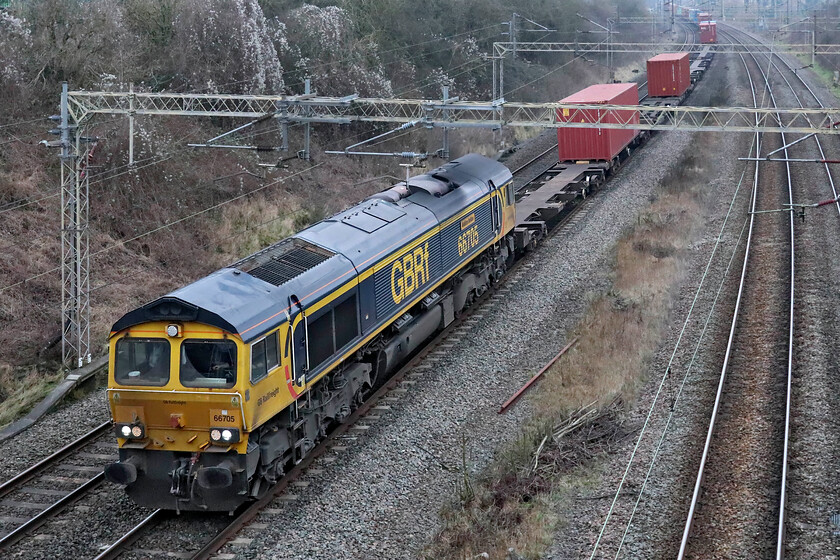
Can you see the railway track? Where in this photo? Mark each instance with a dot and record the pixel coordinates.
(812, 430)
(32, 497)
(742, 476)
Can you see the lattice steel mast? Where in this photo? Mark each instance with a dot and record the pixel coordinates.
(75, 240)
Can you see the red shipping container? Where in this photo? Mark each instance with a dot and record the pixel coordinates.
(669, 74)
(597, 144)
(703, 16)
(708, 32)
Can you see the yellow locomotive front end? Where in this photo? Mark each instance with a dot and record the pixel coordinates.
(176, 396)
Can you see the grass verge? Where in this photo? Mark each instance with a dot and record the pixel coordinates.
(24, 391)
(825, 74)
(516, 502)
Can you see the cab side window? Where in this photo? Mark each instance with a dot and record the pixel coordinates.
(509, 192)
(264, 357)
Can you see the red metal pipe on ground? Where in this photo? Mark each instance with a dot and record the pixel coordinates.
(534, 379)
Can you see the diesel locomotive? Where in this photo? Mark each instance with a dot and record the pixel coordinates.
(217, 388)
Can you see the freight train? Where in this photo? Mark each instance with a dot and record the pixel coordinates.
(219, 387)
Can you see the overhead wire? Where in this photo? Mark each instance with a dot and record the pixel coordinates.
(418, 56)
(165, 157)
(667, 370)
(666, 374)
(21, 123)
(476, 61)
(552, 71)
(693, 360)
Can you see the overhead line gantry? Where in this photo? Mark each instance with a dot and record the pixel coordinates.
(78, 109)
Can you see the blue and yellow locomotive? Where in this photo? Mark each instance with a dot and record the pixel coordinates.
(217, 388)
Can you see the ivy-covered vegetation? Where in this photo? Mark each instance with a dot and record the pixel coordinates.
(369, 47)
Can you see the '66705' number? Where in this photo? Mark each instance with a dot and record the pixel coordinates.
(467, 241)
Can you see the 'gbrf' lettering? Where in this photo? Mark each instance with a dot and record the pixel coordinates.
(409, 272)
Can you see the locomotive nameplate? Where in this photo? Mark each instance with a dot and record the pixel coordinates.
(462, 238)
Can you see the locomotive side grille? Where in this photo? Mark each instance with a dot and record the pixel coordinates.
(284, 261)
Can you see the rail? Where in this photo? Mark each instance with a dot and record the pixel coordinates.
(698, 487)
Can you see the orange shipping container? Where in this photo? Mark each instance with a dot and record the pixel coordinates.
(669, 75)
(597, 144)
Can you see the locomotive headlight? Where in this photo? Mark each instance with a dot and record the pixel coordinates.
(224, 435)
(173, 330)
(131, 431)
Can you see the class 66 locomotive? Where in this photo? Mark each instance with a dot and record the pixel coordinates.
(218, 388)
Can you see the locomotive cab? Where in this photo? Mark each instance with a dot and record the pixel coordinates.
(176, 396)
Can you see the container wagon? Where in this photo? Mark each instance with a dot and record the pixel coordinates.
(597, 144)
(669, 74)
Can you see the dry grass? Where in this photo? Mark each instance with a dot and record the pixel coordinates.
(622, 328)
(22, 390)
(514, 504)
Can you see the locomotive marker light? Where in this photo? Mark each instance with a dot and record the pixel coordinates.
(226, 435)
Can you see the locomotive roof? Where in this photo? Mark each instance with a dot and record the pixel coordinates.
(253, 295)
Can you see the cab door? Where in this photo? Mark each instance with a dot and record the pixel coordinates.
(300, 342)
(495, 209)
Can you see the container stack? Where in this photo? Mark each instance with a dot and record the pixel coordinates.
(708, 32)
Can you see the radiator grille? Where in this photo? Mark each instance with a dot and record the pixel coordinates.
(284, 261)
